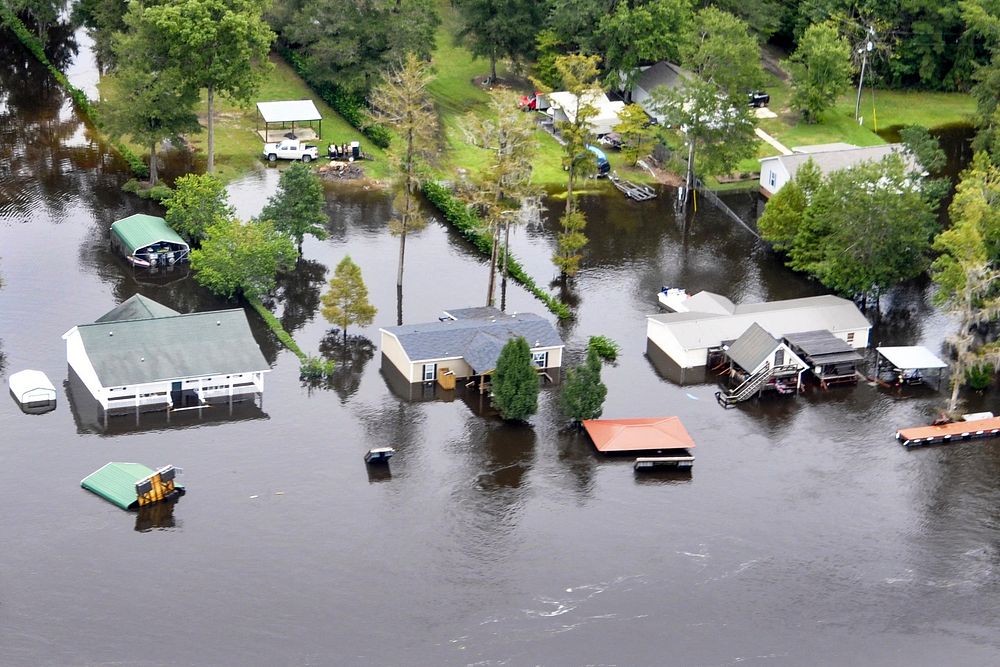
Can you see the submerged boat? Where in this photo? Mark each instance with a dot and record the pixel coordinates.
(137, 261)
(673, 298)
(379, 455)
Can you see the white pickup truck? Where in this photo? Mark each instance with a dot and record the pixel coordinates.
(290, 149)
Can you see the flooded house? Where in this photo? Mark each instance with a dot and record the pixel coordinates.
(760, 362)
(776, 171)
(689, 339)
(144, 356)
(466, 343)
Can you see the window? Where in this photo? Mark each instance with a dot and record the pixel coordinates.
(850, 337)
(772, 178)
(430, 372)
(540, 359)
(779, 357)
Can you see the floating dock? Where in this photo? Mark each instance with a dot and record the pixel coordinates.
(919, 436)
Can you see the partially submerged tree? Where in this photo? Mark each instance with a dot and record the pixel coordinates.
(821, 69)
(346, 302)
(502, 192)
(403, 102)
(298, 207)
(221, 46)
(965, 276)
(578, 74)
(583, 393)
(239, 258)
(515, 382)
(197, 202)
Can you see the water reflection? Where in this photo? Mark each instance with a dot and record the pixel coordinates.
(158, 516)
(298, 292)
(351, 356)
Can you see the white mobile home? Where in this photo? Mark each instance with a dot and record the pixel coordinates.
(778, 170)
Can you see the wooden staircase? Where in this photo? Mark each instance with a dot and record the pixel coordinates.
(752, 385)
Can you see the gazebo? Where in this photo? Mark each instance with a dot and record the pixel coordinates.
(289, 112)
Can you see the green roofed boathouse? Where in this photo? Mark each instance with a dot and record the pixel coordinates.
(133, 485)
(147, 241)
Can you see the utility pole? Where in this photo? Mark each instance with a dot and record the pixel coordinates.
(864, 51)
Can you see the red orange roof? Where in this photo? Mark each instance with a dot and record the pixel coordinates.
(633, 435)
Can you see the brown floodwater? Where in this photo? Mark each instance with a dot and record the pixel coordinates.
(805, 534)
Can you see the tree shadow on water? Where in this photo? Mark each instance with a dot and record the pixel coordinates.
(351, 356)
(298, 293)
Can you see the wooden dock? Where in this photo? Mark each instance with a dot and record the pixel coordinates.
(919, 436)
(632, 190)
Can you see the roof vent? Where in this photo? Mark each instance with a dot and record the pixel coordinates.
(111, 333)
(142, 358)
(218, 323)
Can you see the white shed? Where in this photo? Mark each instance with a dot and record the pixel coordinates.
(32, 388)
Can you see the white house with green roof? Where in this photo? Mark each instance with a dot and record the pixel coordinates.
(144, 355)
(147, 241)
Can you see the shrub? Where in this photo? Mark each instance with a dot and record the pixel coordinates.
(979, 377)
(606, 348)
(316, 368)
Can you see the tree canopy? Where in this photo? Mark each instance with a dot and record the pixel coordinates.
(721, 50)
(641, 32)
(299, 206)
(583, 393)
(197, 202)
(239, 258)
(498, 29)
(821, 70)
(515, 382)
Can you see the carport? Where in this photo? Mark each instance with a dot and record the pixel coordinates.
(285, 114)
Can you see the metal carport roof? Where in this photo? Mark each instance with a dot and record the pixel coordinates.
(288, 111)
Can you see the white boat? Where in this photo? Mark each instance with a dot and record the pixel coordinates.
(137, 261)
(674, 298)
(32, 390)
(379, 455)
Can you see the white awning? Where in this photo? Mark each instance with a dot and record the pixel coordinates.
(911, 357)
(31, 387)
(289, 111)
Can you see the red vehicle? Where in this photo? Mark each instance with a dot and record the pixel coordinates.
(534, 102)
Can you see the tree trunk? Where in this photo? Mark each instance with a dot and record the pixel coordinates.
(153, 176)
(493, 67)
(493, 269)
(399, 305)
(503, 282)
(402, 236)
(211, 130)
(956, 384)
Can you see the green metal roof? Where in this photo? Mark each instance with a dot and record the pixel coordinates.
(136, 307)
(115, 482)
(140, 230)
(157, 349)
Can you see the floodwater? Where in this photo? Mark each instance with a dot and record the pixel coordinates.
(805, 536)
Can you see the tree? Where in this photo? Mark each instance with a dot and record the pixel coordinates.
(983, 19)
(763, 16)
(583, 393)
(821, 70)
(355, 43)
(965, 276)
(239, 258)
(346, 302)
(153, 100)
(403, 102)
(578, 74)
(720, 50)
(640, 32)
(497, 29)
(634, 128)
(866, 229)
(104, 19)
(785, 211)
(515, 382)
(197, 202)
(298, 207)
(502, 191)
(220, 45)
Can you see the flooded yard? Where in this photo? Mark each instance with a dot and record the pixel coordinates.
(804, 535)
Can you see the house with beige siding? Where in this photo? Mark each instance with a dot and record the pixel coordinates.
(466, 342)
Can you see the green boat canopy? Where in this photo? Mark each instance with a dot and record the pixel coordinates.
(115, 482)
(141, 231)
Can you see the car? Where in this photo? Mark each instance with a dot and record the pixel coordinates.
(758, 98)
(290, 149)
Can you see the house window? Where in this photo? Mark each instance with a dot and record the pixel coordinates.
(779, 357)
(772, 178)
(540, 359)
(430, 372)
(850, 337)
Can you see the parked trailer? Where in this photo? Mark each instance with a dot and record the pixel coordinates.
(632, 190)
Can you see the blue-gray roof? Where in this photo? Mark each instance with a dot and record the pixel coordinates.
(476, 335)
(752, 348)
(136, 307)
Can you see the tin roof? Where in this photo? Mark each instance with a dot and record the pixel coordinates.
(476, 335)
(154, 349)
(634, 435)
(911, 357)
(141, 230)
(115, 482)
(829, 161)
(822, 347)
(288, 111)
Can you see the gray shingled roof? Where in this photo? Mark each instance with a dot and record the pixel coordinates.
(662, 74)
(169, 348)
(753, 347)
(478, 340)
(136, 307)
(830, 161)
(474, 313)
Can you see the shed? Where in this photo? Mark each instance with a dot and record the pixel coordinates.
(660, 75)
(909, 363)
(32, 389)
(132, 485)
(289, 112)
(830, 358)
(638, 435)
(147, 241)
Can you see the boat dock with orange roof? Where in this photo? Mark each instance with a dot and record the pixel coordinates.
(979, 426)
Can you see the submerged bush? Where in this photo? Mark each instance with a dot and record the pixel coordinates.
(606, 348)
(979, 377)
(316, 368)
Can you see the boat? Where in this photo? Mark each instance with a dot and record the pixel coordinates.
(379, 455)
(682, 460)
(137, 261)
(673, 298)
